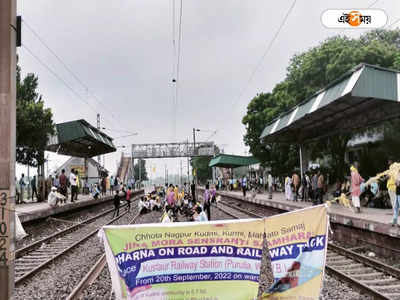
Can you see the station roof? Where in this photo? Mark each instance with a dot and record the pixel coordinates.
(232, 161)
(364, 96)
(79, 138)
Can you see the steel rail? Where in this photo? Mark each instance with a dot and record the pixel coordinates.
(354, 283)
(92, 275)
(21, 252)
(48, 259)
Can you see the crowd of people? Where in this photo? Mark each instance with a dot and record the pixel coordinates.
(63, 186)
(178, 203)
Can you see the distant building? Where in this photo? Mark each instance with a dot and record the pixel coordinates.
(94, 170)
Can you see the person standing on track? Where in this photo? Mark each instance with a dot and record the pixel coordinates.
(128, 199)
(117, 202)
(171, 196)
(207, 203)
(193, 190)
(213, 194)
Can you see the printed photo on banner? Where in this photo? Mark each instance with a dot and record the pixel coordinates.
(297, 244)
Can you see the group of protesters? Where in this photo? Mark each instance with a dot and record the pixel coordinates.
(310, 187)
(181, 203)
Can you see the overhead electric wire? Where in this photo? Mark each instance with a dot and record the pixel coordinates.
(271, 42)
(57, 76)
(68, 86)
(178, 65)
(395, 22)
(173, 70)
(69, 70)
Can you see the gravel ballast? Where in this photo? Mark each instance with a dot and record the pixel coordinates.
(58, 279)
(101, 288)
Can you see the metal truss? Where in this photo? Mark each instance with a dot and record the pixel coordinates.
(170, 150)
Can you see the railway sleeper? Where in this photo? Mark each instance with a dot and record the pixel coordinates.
(347, 266)
(386, 287)
(392, 295)
(338, 262)
(335, 257)
(377, 281)
(359, 271)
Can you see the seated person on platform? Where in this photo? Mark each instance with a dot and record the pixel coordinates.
(54, 198)
(200, 215)
(152, 203)
(95, 192)
(338, 190)
(141, 206)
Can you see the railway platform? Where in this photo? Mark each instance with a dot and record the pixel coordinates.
(372, 219)
(32, 211)
(371, 227)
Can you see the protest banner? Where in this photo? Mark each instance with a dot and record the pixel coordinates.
(185, 261)
(297, 244)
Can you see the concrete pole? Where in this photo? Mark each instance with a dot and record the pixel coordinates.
(98, 127)
(140, 172)
(7, 145)
(180, 177)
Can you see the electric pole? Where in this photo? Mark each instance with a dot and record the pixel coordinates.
(7, 144)
(98, 127)
(188, 157)
(180, 178)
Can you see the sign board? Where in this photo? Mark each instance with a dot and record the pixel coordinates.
(219, 259)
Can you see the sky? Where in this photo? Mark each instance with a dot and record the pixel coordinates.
(122, 59)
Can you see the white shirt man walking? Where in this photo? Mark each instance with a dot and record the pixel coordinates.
(270, 184)
(74, 185)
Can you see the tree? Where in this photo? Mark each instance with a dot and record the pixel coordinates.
(143, 171)
(203, 171)
(34, 122)
(307, 73)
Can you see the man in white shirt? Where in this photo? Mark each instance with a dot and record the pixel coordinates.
(54, 198)
(270, 183)
(200, 215)
(74, 185)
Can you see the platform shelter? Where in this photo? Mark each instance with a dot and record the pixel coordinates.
(365, 96)
(79, 138)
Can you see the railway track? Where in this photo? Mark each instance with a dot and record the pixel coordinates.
(93, 273)
(34, 257)
(367, 275)
(364, 274)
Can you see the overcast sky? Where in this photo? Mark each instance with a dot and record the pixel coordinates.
(122, 51)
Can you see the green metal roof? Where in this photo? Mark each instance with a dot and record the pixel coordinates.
(362, 97)
(232, 161)
(79, 138)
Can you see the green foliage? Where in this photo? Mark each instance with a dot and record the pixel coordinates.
(34, 122)
(203, 172)
(142, 170)
(307, 73)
